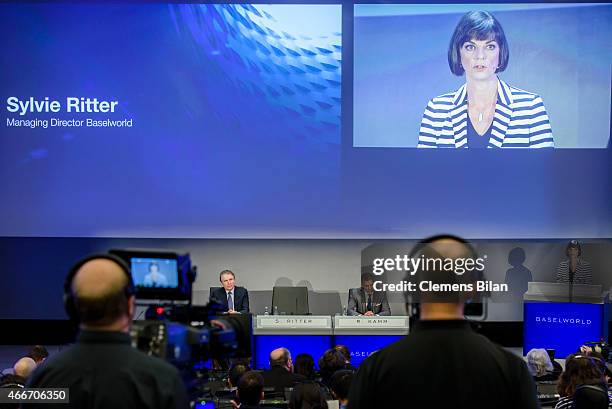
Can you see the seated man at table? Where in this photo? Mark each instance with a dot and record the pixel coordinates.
(280, 375)
(233, 299)
(574, 269)
(365, 301)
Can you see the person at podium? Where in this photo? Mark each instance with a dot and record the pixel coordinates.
(574, 269)
(367, 302)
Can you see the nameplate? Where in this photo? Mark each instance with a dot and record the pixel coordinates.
(371, 322)
(297, 322)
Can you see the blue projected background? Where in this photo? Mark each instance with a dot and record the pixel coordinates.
(235, 114)
(561, 52)
(314, 345)
(562, 326)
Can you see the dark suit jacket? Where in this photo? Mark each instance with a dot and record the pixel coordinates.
(358, 299)
(102, 370)
(279, 378)
(241, 298)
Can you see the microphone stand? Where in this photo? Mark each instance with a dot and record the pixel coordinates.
(571, 286)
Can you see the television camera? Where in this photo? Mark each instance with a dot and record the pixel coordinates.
(186, 335)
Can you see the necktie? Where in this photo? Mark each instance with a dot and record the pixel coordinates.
(230, 301)
(369, 305)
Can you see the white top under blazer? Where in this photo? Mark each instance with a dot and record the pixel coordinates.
(520, 121)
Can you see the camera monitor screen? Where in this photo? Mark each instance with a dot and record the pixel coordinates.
(154, 272)
(159, 274)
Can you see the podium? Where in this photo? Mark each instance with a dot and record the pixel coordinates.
(292, 324)
(563, 292)
(563, 317)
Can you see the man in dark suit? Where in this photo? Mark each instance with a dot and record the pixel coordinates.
(234, 300)
(366, 301)
(280, 375)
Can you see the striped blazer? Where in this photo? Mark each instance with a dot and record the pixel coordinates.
(520, 121)
(583, 274)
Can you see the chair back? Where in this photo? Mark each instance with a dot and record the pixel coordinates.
(591, 397)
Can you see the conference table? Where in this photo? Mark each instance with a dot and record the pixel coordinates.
(314, 334)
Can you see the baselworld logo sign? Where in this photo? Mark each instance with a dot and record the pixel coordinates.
(361, 354)
(550, 319)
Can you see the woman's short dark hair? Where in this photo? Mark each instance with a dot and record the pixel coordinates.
(479, 25)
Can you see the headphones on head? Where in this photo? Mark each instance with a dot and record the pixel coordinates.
(427, 241)
(69, 299)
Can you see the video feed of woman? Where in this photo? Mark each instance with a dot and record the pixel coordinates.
(482, 76)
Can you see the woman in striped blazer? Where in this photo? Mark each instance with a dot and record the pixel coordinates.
(574, 269)
(485, 112)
